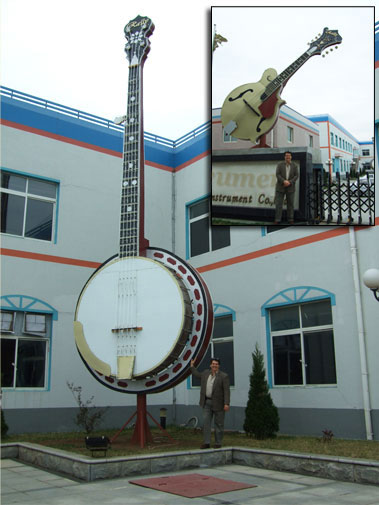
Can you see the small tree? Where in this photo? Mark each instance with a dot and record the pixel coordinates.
(261, 415)
(4, 426)
(88, 416)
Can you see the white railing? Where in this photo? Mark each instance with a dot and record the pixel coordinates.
(100, 121)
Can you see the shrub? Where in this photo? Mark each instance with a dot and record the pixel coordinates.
(88, 416)
(4, 426)
(261, 415)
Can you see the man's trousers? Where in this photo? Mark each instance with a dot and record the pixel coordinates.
(208, 415)
(279, 197)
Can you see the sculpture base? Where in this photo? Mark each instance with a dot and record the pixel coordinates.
(262, 143)
(142, 433)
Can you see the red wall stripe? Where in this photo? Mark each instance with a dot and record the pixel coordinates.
(111, 152)
(47, 257)
(179, 167)
(317, 237)
(61, 138)
(193, 160)
(292, 244)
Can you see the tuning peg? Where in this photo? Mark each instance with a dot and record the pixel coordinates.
(331, 49)
(323, 55)
(327, 52)
(119, 119)
(336, 47)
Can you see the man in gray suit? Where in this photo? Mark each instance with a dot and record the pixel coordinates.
(287, 174)
(215, 400)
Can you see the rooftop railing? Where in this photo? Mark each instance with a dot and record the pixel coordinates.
(97, 120)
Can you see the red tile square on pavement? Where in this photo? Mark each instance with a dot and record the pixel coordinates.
(191, 485)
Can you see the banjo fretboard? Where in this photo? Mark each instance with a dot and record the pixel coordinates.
(131, 222)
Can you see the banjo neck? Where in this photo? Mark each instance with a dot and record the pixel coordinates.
(132, 239)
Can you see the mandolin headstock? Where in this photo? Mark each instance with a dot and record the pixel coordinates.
(327, 39)
(137, 33)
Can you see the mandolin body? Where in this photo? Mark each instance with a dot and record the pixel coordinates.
(245, 115)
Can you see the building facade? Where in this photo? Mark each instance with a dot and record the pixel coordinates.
(296, 292)
(330, 144)
(291, 130)
(340, 150)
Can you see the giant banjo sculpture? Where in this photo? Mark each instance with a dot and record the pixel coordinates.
(144, 314)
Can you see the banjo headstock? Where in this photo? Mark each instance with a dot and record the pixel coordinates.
(137, 33)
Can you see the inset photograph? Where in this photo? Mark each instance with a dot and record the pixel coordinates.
(292, 116)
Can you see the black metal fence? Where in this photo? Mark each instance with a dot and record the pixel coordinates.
(341, 201)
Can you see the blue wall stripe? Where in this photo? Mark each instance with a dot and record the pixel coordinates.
(77, 129)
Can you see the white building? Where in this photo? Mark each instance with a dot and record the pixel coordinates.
(291, 130)
(297, 292)
(340, 150)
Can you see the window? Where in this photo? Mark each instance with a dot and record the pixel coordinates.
(365, 152)
(303, 344)
(310, 140)
(7, 321)
(25, 339)
(332, 138)
(203, 237)
(27, 206)
(221, 347)
(290, 134)
(228, 137)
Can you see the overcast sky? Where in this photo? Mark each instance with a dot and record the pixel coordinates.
(72, 52)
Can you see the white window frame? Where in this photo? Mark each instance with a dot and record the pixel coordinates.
(10, 330)
(290, 135)
(35, 337)
(32, 196)
(213, 343)
(192, 220)
(299, 331)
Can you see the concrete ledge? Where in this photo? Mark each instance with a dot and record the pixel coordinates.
(89, 469)
(329, 467)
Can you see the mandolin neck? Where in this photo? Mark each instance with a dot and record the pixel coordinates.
(283, 77)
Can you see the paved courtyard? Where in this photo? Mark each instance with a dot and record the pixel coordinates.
(26, 485)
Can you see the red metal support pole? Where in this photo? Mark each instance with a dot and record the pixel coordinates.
(142, 432)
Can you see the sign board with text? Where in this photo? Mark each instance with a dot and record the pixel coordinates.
(243, 183)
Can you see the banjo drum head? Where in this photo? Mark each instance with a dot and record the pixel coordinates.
(133, 318)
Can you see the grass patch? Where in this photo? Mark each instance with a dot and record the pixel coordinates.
(189, 439)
